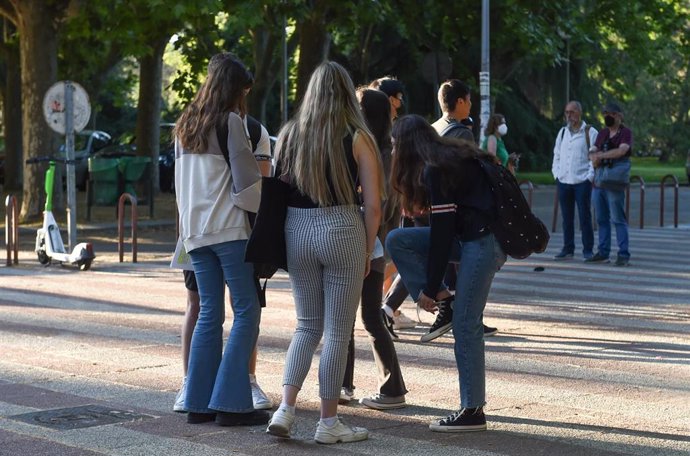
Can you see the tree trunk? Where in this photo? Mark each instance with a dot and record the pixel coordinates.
(38, 38)
(264, 44)
(12, 116)
(314, 43)
(149, 106)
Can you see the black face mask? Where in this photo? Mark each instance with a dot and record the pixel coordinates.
(609, 121)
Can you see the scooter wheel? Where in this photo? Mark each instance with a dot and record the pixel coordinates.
(43, 257)
(85, 265)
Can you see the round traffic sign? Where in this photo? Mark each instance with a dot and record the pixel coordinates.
(54, 106)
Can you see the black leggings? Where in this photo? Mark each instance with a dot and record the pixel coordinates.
(390, 378)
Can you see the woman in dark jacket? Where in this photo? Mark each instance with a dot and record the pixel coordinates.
(444, 175)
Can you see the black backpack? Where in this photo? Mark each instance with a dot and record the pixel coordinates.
(517, 229)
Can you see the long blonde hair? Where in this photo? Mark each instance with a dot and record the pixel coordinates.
(310, 147)
(222, 92)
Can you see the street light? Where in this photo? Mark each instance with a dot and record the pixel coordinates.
(484, 74)
(566, 37)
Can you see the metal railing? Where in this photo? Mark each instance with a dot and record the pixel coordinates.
(530, 191)
(554, 219)
(627, 199)
(121, 225)
(675, 200)
(12, 229)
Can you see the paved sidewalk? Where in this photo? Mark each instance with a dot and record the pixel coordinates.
(590, 360)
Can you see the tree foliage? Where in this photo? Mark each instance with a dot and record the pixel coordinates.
(635, 53)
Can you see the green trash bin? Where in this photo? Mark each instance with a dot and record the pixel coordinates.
(132, 169)
(104, 176)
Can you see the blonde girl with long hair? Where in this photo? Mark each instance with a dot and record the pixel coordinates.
(326, 152)
(213, 200)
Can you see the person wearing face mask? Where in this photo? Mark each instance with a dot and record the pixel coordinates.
(493, 138)
(574, 174)
(614, 143)
(393, 89)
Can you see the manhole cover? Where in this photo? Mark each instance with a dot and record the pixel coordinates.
(79, 417)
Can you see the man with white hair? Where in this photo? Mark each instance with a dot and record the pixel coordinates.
(573, 172)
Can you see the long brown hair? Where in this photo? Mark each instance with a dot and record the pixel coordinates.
(417, 145)
(310, 147)
(222, 92)
(492, 125)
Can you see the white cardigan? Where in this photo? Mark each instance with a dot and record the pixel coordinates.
(212, 209)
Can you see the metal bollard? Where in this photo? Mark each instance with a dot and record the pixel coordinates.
(627, 199)
(121, 225)
(530, 191)
(12, 229)
(675, 200)
(554, 220)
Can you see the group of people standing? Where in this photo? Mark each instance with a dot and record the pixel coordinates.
(352, 171)
(580, 151)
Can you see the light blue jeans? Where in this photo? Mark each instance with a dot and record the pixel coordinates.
(479, 260)
(217, 380)
(609, 206)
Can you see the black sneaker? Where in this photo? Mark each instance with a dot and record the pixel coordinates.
(489, 331)
(622, 261)
(597, 258)
(198, 418)
(242, 419)
(465, 420)
(444, 320)
(388, 323)
(563, 256)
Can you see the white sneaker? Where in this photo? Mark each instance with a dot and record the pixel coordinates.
(402, 321)
(346, 395)
(339, 432)
(179, 399)
(260, 399)
(281, 423)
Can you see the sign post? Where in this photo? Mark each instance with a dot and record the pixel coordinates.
(484, 74)
(67, 110)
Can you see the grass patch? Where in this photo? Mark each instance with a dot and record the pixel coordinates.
(649, 168)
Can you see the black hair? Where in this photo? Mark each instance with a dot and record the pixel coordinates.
(449, 93)
(388, 85)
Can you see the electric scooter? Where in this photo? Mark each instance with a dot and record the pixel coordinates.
(49, 246)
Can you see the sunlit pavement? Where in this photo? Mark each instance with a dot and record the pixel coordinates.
(589, 360)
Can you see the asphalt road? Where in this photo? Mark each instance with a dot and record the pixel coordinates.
(589, 360)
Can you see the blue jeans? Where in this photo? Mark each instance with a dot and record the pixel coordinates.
(609, 206)
(568, 196)
(217, 380)
(479, 260)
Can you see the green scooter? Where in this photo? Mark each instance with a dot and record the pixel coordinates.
(49, 245)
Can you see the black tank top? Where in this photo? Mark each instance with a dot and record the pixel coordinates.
(299, 199)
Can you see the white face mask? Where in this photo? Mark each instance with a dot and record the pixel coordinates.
(502, 129)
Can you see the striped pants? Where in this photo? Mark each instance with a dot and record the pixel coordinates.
(326, 260)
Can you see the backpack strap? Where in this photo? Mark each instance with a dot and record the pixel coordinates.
(450, 127)
(587, 129)
(254, 128)
(222, 135)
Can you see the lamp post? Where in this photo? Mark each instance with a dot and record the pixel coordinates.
(284, 76)
(484, 74)
(564, 36)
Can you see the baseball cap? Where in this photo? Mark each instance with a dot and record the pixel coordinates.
(612, 107)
